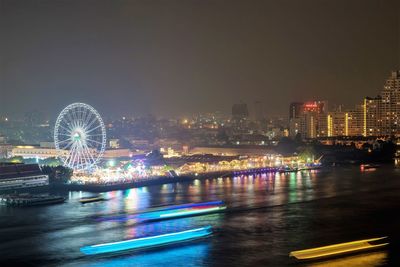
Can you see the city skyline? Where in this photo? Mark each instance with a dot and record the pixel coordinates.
(178, 59)
(199, 132)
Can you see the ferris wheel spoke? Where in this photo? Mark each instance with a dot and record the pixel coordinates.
(92, 121)
(79, 156)
(91, 135)
(75, 155)
(87, 119)
(76, 158)
(78, 111)
(90, 156)
(84, 156)
(86, 151)
(69, 116)
(65, 123)
(84, 114)
(75, 116)
(80, 116)
(67, 145)
(63, 141)
(70, 120)
(70, 155)
(62, 127)
(94, 141)
(78, 121)
(83, 160)
(62, 134)
(91, 130)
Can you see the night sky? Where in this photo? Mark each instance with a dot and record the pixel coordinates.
(171, 57)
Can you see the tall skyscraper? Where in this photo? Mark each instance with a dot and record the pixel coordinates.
(372, 116)
(309, 125)
(258, 111)
(308, 119)
(295, 110)
(355, 121)
(240, 111)
(390, 106)
(337, 123)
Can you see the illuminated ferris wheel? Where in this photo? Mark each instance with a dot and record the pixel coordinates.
(80, 136)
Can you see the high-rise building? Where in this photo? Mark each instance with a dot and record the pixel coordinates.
(240, 111)
(355, 121)
(309, 125)
(371, 116)
(258, 111)
(308, 119)
(390, 105)
(294, 126)
(337, 123)
(295, 110)
(318, 107)
(375, 116)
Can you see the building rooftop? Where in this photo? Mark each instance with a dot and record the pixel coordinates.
(8, 171)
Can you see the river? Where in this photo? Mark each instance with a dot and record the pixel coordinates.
(272, 215)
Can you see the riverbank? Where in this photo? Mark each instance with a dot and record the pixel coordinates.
(165, 180)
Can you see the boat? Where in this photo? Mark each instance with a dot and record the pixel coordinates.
(179, 213)
(339, 249)
(287, 169)
(171, 212)
(85, 200)
(148, 242)
(369, 167)
(24, 200)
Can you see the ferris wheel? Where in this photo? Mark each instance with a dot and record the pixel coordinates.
(80, 136)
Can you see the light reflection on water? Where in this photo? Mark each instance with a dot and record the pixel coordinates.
(279, 212)
(195, 254)
(362, 260)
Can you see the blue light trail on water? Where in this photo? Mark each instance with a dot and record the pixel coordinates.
(147, 242)
(195, 254)
(165, 212)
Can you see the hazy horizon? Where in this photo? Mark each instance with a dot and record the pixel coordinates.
(182, 57)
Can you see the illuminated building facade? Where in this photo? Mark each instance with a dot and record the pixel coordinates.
(15, 176)
(294, 126)
(295, 110)
(337, 123)
(308, 125)
(34, 152)
(375, 116)
(355, 121)
(308, 119)
(390, 105)
(371, 116)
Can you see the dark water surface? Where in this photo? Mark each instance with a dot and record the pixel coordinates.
(273, 215)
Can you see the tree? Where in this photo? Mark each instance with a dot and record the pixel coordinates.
(298, 139)
(307, 153)
(59, 174)
(222, 136)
